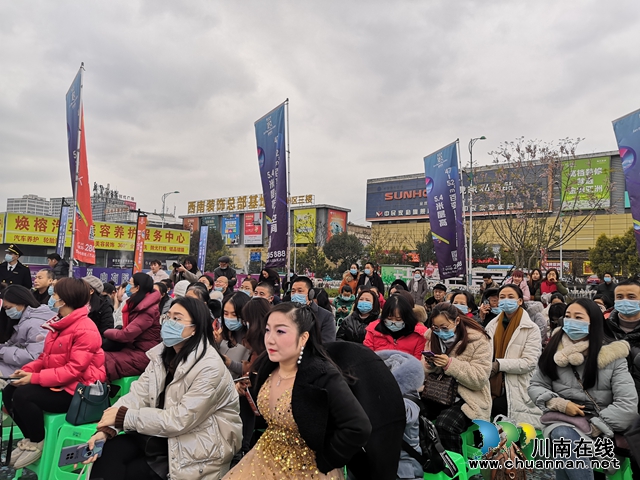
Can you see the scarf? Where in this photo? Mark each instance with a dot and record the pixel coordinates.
(501, 340)
(125, 314)
(570, 353)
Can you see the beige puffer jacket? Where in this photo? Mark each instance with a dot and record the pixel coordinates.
(201, 415)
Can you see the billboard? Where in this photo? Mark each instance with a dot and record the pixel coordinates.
(337, 223)
(304, 226)
(253, 228)
(191, 223)
(402, 198)
(585, 183)
(230, 230)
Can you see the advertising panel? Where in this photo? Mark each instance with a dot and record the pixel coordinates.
(253, 228)
(230, 230)
(337, 223)
(304, 226)
(404, 198)
(585, 183)
(191, 223)
(141, 235)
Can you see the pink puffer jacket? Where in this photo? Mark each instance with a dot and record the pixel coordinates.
(413, 344)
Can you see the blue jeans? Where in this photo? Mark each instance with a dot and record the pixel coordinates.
(577, 474)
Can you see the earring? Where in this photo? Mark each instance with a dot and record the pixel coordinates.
(300, 357)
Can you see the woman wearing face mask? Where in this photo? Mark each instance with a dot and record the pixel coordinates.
(234, 329)
(21, 332)
(185, 404)
(516, 349)
(418, 287)
(551, 284)
(583, 387)
(462, 350)
(535, 278)
(314, 422)
(397, 329)
(343, 303)
(365, 310)
(188, 270)
(126, 348)
(248, 286)
(350, 277)
(465, 302)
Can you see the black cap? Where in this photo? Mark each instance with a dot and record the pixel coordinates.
(54, 256)
(224, 259)
(440, 286)
(14, 249)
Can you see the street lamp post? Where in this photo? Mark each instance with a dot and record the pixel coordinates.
(472, 142)
(164, 197)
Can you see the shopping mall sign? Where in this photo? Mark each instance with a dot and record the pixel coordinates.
(585, 184)
(243, 203)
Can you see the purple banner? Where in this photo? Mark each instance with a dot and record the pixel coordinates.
(62, 232)
(118, 275)
(445, 211)
(627, 130)
(270, 139)
(202, 247)
(73, 124)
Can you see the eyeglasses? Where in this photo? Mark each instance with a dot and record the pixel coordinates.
(440, 329)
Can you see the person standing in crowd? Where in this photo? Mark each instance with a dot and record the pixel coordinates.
(21, 332)
(321, 298)
(397, 329)
(607, 287)
(371, 277)
(72, 353)
(604, 304)
(225, 270)
(343, 303)
(489, 308)
(184, 403)
(550, 285)
(556, 316)
(365, 310)
(465, 302)
(439, 293)
(577, 369)
(517, 278)
(156, 273)
(208, 281)
(59, 265)
(109, 292)
(126, 348)
(516, 350)
(300, 294)
(265, 290)
(269, 275)
(12, 271)
(188, 270)
(100, 310)
(248, 286)
(487, 283)
(350, 277)
(43, 285)
(462, 350)
(535, 278)
(418, 287)
(165, 299)
(286, 386)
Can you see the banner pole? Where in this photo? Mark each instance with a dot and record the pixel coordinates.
(75, 180)
(286, 109)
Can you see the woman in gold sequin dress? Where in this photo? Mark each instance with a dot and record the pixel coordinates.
(314, 423)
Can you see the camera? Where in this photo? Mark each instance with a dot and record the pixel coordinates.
(176, 265)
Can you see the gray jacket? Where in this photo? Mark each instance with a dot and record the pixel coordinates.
(27, 341)
(614, 391)
(421, 291)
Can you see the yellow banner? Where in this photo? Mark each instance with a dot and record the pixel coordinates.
(304, 225)
(40, 230)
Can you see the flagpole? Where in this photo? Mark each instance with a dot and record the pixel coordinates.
(75, 182)
(466, 246)
(286, 109)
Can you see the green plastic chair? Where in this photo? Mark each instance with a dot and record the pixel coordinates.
(469, 449)
(125, 386)
(460, 462)
(625, 470)
(52, 424)
(67, 436)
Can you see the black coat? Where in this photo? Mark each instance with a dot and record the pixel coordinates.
(20, 275)
(327, 323)
(607, 290)
(228, 272)
(612, 331)
(374, 281)
(61, 269)
(101, 312)
(353, 329)
(329, 418)
(377, 391)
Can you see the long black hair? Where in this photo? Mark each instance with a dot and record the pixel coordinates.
(596, 338)
(471, 302)
(203, 334)
(402, 305)
(238, 300)
(322, 299)
(375, 310)
(193, 261)
(452, 313)
(20, 296)
(162, 288)
(254, 314)
(144, 282)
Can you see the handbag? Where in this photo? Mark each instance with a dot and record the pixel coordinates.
(581, 423)
(440, 388)
(501, 453)
(86, 407)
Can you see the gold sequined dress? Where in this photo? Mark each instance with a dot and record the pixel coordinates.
(281, 453)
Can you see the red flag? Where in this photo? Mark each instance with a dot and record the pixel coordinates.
(84, 248)
(138, 257)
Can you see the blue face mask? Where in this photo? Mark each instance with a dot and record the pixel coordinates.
(508, 305)
(417, 276)
(575, 329)
(463, 308)
(218, 289)
(51, 304)
(367, 271)
(607, 279)
(171, 332)
(232, 324)
(50, 290)
(394, 326)
(299, 298)
(365, 306)
(8, 258)
(445, 334)
(13, 313)
(353, 271)
(247, 292)
(346, 298)
(627, 307)
(127, 290)
(496, 310)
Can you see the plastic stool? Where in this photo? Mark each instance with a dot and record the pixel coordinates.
(70, 435)
(460, 462)
(469, 449)
(624, 473)
(41, 467)
(125, 386)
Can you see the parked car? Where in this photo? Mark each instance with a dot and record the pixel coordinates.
(593, 280)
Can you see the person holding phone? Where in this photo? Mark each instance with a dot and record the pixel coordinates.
(457, 346)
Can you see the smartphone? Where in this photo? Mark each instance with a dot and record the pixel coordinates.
(486, 302)
(240, 379)
(427, 354)
(10, 379)
(79, 453)
(252, 404)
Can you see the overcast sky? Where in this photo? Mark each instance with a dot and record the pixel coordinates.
(172, 88)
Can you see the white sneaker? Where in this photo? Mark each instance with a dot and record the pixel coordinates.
(15, 454)
(31, 452)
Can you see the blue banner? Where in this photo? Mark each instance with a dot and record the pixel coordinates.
(271, 143)
(202, 247)
(62, 232)
(445, 211)
(73, 124)
(627, 130)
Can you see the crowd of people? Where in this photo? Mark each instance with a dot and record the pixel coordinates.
(266, 378)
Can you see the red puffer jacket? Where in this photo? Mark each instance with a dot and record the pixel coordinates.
(413, 344)
(72, 353)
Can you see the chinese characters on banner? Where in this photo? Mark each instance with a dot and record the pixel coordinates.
(304, 226)
(242, 203)
(62, 232)
(202, 247)
(270, 140)
(141, 234)
(627, 130)
(445, 208)
(253, 228)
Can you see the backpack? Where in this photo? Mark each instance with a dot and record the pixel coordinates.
(434, 458)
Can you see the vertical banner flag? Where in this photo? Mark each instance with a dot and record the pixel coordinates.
(270, 139)
(445, 210)
(627, 130)
(202, 247)
(141, 236)
(62, 232)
